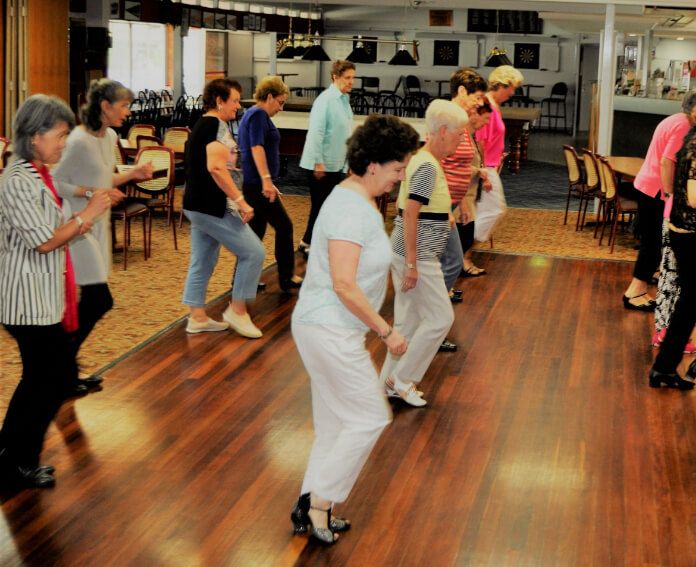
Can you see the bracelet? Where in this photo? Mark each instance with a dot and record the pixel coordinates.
(79, 221)
(386, 335)
(411, 265)
(238, 199)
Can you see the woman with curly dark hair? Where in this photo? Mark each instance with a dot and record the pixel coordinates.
(339, 302)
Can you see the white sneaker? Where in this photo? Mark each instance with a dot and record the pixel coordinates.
(241, 324)
(208, 326)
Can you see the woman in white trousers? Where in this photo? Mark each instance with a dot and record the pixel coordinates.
(339, 301)
(502, 83)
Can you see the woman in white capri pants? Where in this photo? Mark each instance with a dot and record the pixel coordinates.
(422, 307)
(339, 301)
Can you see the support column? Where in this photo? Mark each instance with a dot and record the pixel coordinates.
(607, 78)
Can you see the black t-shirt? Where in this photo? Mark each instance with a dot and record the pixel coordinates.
(202, 194)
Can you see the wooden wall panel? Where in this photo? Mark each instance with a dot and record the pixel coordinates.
(48, 47)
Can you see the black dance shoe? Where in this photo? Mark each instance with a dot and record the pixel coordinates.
(691, 372)
(648, 306)
(261, 286)
(290, 284)
(447, 346)
(16, 476)
(93, 381)
(658, 379)
(300, 517)
(76, 389)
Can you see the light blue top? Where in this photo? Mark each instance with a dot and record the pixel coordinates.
(330, 125)
(345, 215)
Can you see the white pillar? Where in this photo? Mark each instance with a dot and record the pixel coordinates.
(272, 60)
(607, 77)
(645, 60)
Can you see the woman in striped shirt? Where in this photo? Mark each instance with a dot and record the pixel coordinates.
(422, 308)
(38, 304)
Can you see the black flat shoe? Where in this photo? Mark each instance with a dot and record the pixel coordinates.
(691, 372)
(456, 298)
(647, 307)
(456, 292)
(300, 517)
(287, 285)
(47, 469)
(91, 381)
(658, 379)
(261, 286)
(27, 477)
(75, 390)
(448, 346)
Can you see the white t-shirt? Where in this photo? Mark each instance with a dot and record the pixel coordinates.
(345, 215)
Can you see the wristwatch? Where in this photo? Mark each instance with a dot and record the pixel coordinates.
(411, 265)
(89, 193)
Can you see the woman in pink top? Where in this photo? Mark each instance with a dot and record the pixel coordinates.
(502, 83)
(654, 179)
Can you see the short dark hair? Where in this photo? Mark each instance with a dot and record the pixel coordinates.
(219, 88)
(485, 108)
(380, 139)
(99, 90)
(341, 66)
(37, 115)
(469, 79)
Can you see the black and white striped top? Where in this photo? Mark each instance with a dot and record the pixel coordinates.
(433, 228)
(32, 288)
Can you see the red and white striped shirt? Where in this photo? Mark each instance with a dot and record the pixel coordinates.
(458, 168)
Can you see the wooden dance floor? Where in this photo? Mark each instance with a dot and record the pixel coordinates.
(541, 445)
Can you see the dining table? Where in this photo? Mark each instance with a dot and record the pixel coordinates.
(626, 167)
(518, 122)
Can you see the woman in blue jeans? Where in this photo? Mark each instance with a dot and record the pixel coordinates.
(219, 215)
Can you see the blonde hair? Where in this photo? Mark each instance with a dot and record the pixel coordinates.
(271, 85)
(444, 113)
(504, 76)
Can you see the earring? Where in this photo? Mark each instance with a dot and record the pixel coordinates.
(219, 108)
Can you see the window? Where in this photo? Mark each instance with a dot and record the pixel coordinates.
(138, 55)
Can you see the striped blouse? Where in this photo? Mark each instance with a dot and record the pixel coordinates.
(31, 284)
(458, 168)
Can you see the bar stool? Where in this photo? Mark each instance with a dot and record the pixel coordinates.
(554, 107)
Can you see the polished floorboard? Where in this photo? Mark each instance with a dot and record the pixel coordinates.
(542, 445)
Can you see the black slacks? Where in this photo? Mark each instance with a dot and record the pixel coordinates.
(650, 213)
(274, 213)
(95, 302)
(466, 234)
(319, 190)
(684, 316)
(48, 369)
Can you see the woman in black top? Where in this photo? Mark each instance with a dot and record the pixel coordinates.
(219, 215)
(682, 234)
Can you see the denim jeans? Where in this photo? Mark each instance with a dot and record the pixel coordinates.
(207, 234)
(452, 260)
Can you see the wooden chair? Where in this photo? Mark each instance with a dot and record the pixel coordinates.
(126, 212)
(614, 204)
(175, 138)
(4, 145)
(592, 186)
(158, 191)
(142, 141)
(576, 183)
(119, 154)
(139, 130)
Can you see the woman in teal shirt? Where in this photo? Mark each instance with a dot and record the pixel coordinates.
(324, 153)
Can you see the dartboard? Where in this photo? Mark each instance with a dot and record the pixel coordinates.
(446, 53)
(526, 56)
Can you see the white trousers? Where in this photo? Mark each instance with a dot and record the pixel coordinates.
(348, 404)
(491, 207)
(423, 315)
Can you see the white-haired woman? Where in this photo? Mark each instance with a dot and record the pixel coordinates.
(502, 83)
(422, 307)
(38, 303)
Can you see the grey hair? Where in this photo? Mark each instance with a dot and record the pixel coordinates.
(37, 115)
(444, 113)
(99, 90)
(689, 101)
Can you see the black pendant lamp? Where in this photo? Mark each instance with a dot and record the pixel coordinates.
(287, 52)
(497, 57)
(316, 52)
(360, 54)
(402, 57)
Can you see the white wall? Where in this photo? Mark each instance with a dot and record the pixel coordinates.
(671, 49)
(414, 24)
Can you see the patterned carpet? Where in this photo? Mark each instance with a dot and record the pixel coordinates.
(148, 295)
